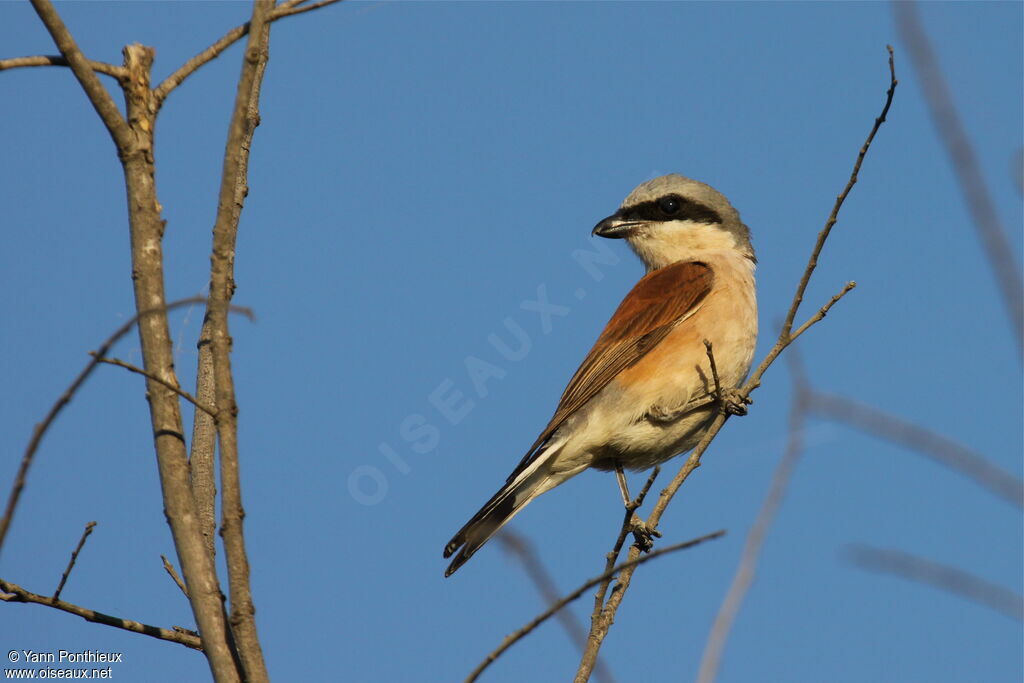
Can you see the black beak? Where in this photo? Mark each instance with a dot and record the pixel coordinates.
(614, 227)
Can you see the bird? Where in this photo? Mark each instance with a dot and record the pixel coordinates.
(646, 391)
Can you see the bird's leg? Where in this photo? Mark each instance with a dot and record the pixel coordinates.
(643, 537)
(620, 476)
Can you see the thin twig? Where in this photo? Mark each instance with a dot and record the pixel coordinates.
(41, 428)
(523, 550)
(159, 380)
(285, 9)
(71, 563)
(630, 565)
(964, 160)
(944, 577)
(117, 72)
(954, 455)
(745, 570)
(812, 263)
(603, 621)
(12, 592)
(169, 568)
(714, 369)
(613, 555)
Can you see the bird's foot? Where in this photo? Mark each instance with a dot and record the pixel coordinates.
(733, 402)
(642, 534)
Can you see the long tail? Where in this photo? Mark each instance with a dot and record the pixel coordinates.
(520, 489)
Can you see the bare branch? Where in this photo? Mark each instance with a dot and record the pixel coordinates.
(42, 427)
(951, 132)
(522, 549)
(285, 9)
(71, 563)
(233, 189)
(954, 455)
(169, 568)
(12, 592)
(943, 577)
(747, 567)
(204, 444)
(613, 554)
(83, 70)
(629, 565)
(604, 617)
(117, 72)
(178, 390)
(812, 263)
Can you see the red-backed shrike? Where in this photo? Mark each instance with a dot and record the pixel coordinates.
(641, 395)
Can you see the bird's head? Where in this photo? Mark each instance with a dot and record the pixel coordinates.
(673, 218)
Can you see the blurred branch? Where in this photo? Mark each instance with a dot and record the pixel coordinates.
(745, 571)
(606, 615)
(914, 437)
(74, 557)
(943, 577)
(12, 592)
(523, 550)
(630, 564)
(951, 131)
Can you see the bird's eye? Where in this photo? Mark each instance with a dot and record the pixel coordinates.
(669, 205)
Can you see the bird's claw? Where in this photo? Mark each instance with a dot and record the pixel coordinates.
(733, 402)
(643, 535)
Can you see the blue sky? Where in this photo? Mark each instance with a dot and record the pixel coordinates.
(422, 169)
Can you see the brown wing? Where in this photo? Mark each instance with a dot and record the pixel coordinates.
(649, 312)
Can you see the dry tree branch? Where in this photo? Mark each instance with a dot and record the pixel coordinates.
(603, 621)
(944, 577)
(12, 592)
(74, 557)
(233, 189)
(613, 554)
(285, 9)
(42, 427)
(745, 570)
(117, 72)
(178, 390)
(965, 164)
(169, 568)
(523, 550)
(83, 70)
(917, 438)
(629, 565)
